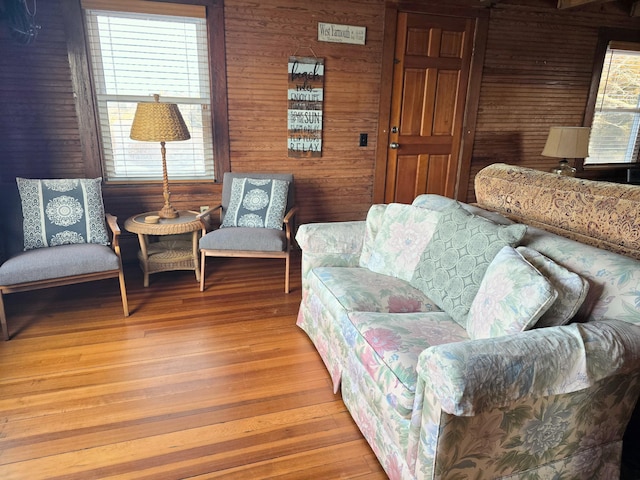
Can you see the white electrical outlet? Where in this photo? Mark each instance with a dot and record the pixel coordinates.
(204, 208)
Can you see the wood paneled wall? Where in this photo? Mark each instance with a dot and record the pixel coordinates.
(38, 128)
(536, 74)
(260, 37)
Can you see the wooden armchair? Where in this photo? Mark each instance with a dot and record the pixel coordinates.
(249, 241)
(54, 266)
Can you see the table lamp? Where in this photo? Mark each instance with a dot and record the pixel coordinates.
(160, 122)
(567, 142)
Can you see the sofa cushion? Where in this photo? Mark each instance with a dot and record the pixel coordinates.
(354, 289)
(572, 288)
(256, 203)
(455, 260)
(512, 297)
(57, 262)
(62, 211)
(388, 346)
(401, 239)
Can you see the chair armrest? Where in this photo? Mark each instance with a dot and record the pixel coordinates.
(290, 214)
(112, 223)
(477, 376)
(203, 216)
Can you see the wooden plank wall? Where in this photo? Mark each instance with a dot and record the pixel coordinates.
(38, 127)
(536, 74)
(260, 37)
(41, 133)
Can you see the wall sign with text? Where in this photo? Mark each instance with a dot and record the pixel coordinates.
(331, 32)
(305, 99)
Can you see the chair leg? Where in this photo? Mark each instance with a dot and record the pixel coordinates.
(3, 319)
(123, 293)
(286, 273)
(202, 261)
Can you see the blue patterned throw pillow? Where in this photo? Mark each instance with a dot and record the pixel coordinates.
(257, 203)
(62, 211)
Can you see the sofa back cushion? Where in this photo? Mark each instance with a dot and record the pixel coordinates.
(512, 296)
(456, 259)
(614, 279)
(403, 235)
(436, 202)
(375, 216)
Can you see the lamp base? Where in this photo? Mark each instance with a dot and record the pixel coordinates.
(563, 168)
(168, 212)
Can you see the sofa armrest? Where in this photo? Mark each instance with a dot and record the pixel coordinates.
(330, 238)
(477, 376)
(334, 244)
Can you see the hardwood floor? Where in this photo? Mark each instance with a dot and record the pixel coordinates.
(213, 385)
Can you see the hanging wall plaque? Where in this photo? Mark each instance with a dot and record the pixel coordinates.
(305, 97)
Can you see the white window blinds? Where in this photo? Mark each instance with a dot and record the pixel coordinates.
(616, 122)
(135, 55)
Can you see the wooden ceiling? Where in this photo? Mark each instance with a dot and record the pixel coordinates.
(634, 6)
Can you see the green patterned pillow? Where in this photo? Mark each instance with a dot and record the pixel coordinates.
(62, 211)
(455, 260)
(257, 202)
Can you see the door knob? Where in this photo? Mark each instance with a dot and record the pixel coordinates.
(394, 145)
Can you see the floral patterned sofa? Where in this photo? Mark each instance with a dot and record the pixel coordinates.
(469, 346)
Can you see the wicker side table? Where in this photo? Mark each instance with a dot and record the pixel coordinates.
(169, 251)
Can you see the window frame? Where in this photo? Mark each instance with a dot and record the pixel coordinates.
(605, 36)
(86, 107)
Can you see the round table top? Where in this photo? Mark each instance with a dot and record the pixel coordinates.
(185, 222)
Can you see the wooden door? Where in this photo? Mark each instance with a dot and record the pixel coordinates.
(432, 63)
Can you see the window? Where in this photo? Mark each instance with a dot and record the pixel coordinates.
(137, 49)
(614, 108)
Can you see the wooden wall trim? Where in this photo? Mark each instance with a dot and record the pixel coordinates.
(218, 85)
(384, 105)
(82, 88)
(471, 108)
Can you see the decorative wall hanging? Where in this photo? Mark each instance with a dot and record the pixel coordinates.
(305, 98)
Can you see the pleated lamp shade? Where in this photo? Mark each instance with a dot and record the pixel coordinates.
(158, 122)
(567, 142)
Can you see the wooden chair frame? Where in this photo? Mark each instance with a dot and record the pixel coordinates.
(73, 279)
(286, 253)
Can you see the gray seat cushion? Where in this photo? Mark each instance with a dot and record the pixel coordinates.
(245, 238)
(57, 262)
